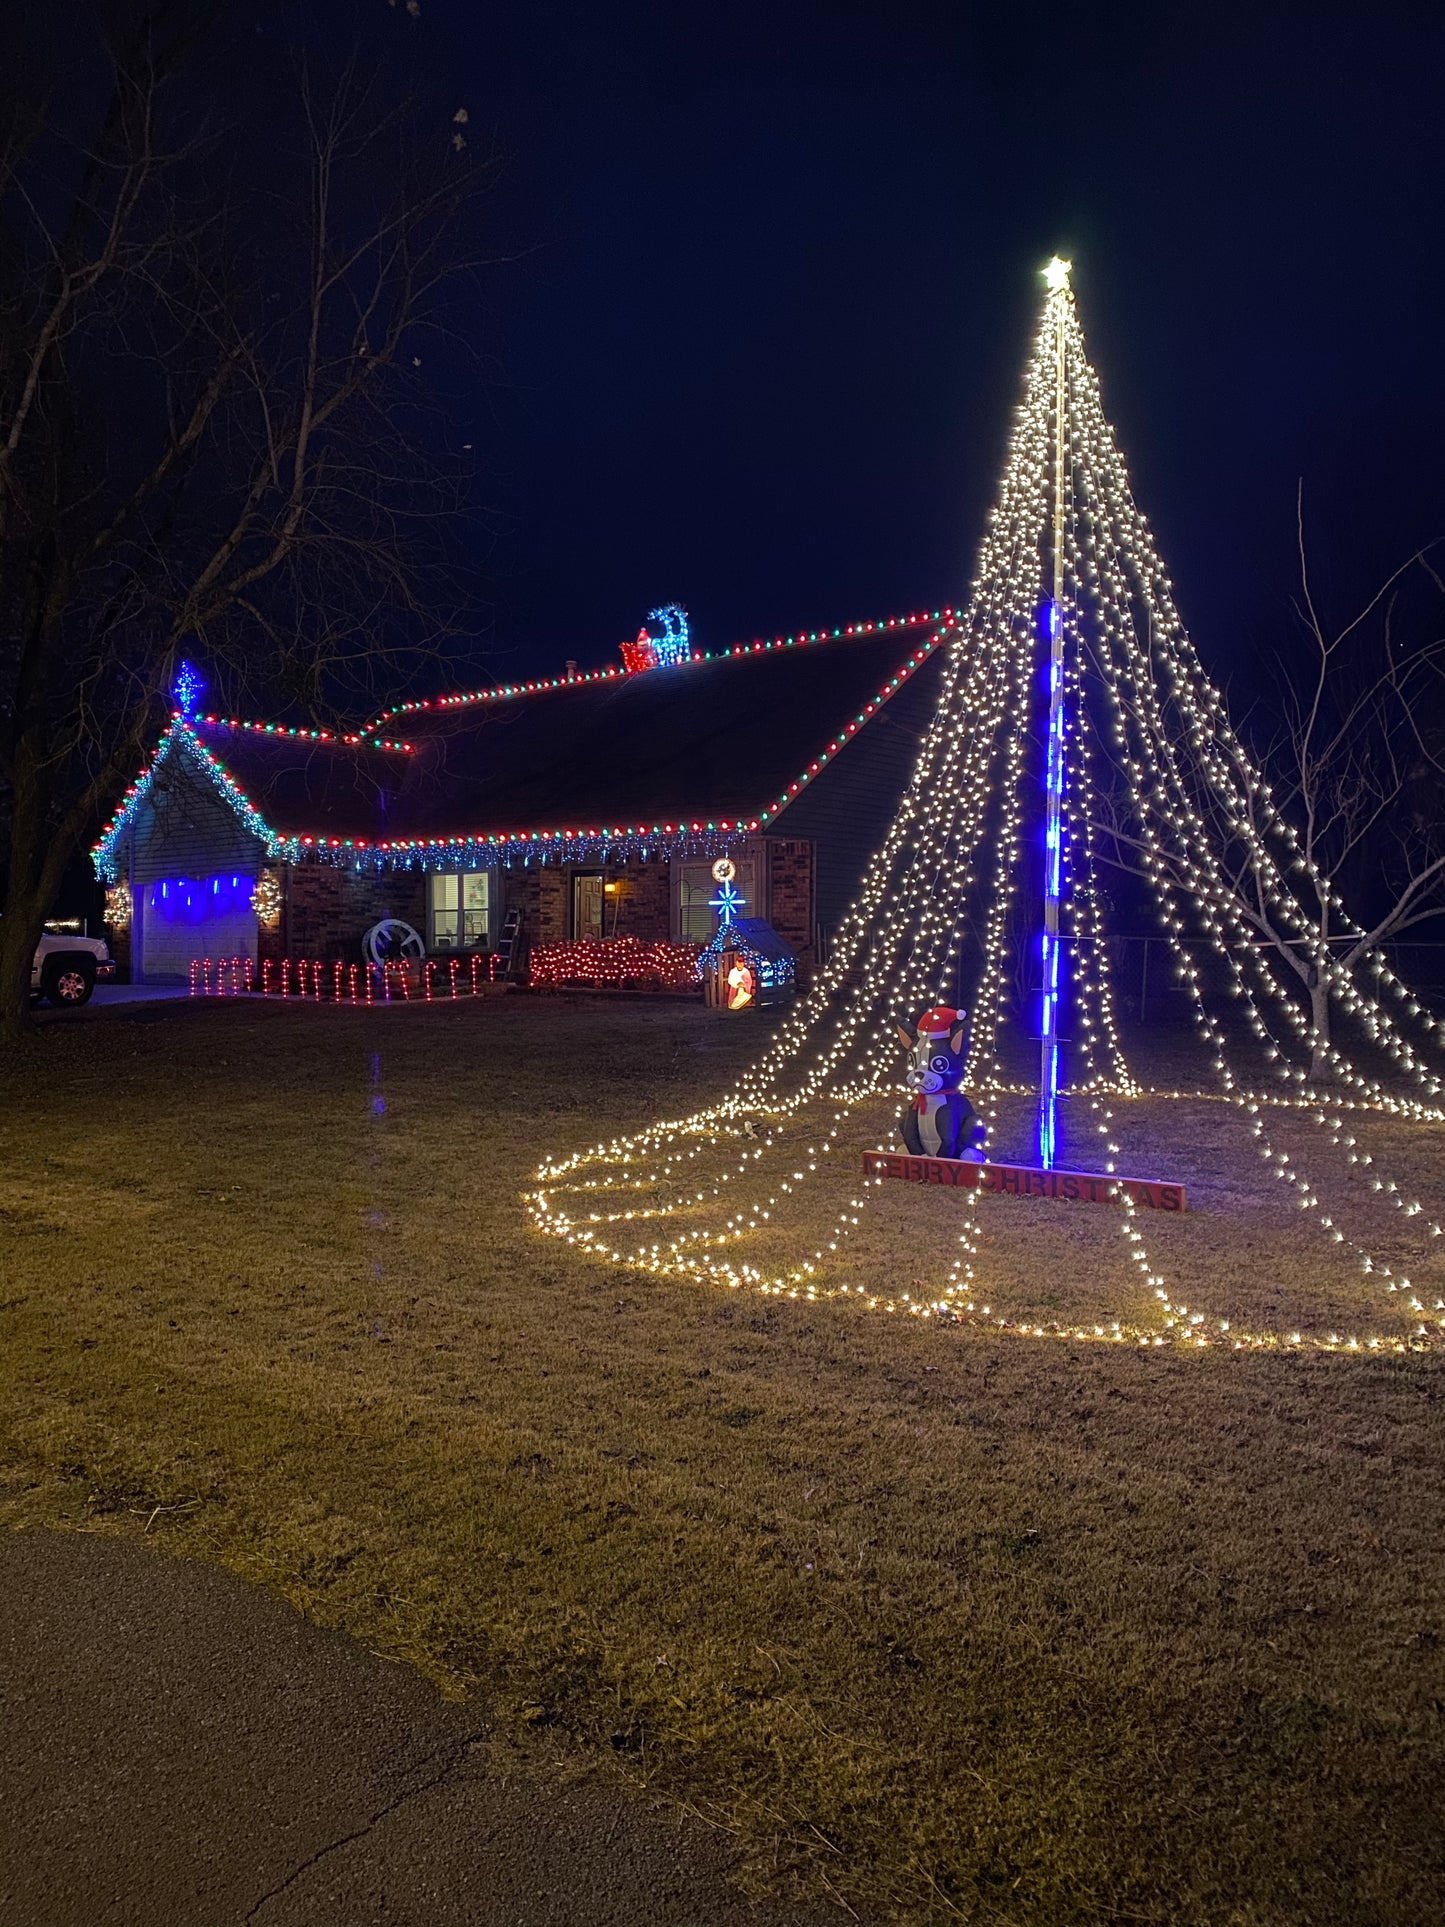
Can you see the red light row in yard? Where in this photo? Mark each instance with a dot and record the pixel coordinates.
(309, 979)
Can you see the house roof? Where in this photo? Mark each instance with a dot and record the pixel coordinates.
(722, 742)
(309, 788)
(401, 717)
(750, 933)
(729, 739)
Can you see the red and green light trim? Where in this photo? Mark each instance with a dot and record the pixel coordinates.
(295, 731)
(507, 845)
(429, 851)
(181, 736)
(804, 638)
(850, 730)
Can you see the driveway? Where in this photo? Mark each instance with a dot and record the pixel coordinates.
(181, 1749)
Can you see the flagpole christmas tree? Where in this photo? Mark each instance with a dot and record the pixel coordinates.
(1074, 715)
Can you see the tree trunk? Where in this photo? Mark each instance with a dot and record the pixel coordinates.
(1319, 1023)
(37, 858)
(20, 929)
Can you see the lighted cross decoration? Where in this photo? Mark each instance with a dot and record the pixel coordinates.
(728, 901)
(187, 687)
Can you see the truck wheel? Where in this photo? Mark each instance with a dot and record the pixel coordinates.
(69, 980)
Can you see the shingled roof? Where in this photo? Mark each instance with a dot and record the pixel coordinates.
(308, 786)
(729, 739)
(723, 741)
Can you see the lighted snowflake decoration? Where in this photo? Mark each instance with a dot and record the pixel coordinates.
(728, 901)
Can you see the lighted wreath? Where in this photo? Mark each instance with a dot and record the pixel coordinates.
(118, 906)
(266, 900)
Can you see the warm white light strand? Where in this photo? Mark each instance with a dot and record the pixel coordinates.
(932, 924)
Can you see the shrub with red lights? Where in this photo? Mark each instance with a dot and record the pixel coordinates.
(603, 963)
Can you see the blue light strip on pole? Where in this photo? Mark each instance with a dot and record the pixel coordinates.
(1057, 276)
(1053, 890)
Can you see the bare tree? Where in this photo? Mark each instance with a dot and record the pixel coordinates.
(213, 435)
(1357, 767)
(1355, 761)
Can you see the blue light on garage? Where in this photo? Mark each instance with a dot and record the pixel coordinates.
(201, 899)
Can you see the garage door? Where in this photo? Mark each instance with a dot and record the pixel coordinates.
(183, 918)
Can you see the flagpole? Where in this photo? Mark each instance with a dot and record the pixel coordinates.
(1056, 274)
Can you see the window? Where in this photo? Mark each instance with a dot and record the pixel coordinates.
(696, 918)
(460, 905)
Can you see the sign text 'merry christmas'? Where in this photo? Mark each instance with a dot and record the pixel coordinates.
(1023, 1181)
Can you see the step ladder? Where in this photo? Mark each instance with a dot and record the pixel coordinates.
(507, 942)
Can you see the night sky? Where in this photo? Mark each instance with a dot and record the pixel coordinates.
(776, 269)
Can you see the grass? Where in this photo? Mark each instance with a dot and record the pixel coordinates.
(951, 1626)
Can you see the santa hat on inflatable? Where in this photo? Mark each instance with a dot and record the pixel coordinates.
(940, 1020)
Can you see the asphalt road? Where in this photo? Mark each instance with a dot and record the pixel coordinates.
(180, 1749)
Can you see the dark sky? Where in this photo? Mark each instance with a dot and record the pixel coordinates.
(780, 271)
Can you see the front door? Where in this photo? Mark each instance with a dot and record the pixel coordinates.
(587, 902)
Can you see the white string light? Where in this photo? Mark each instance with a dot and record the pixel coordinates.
(932, 924)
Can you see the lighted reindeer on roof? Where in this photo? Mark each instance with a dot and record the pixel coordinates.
(940, 1122)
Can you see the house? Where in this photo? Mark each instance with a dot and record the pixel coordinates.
(593, 803)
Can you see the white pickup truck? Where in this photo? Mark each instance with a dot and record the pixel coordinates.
(66, 967)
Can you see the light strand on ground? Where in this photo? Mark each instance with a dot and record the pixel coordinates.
(1145, 733)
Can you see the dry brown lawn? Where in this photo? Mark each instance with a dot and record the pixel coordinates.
(953, 1627)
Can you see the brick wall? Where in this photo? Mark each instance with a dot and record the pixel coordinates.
(119, 941)
(641, 905)
(643, 902)
(328, 911)
(541, 896)
(791, 893)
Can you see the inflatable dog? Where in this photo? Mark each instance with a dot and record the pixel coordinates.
(940, 1122)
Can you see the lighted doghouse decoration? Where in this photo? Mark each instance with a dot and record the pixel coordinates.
(747, 964)
(939, 1122)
